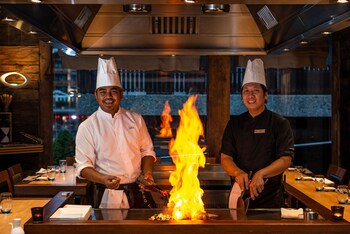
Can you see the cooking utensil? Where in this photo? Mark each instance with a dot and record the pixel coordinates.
(246, 193)
(151, 186)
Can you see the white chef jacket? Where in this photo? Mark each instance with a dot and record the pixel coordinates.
(113, 145)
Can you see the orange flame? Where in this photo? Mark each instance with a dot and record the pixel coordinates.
(166, 120)
(186, 195)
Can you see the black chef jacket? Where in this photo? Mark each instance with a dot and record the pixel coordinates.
(255, 143)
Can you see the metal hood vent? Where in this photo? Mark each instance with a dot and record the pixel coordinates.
(168, 29)
(266, 17)
(174, 25)
(62, 25)
(298, 24)
(177, 29)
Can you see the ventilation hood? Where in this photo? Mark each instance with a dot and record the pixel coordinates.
(176, 28)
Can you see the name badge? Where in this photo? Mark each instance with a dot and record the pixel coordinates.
(259, 131)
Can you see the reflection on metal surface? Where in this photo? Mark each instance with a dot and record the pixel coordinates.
(215, 8)
(137, 8)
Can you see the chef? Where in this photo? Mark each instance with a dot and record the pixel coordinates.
(113, 146)
(258, 145)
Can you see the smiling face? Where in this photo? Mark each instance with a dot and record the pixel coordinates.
(254, 98)
(108, 98)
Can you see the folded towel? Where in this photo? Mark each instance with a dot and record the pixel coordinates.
(114, 199)
(288, 213)
(235, 193)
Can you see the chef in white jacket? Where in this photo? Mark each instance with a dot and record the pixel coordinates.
(113, 146)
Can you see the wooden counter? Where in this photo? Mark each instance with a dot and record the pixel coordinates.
(21, 209)
(186, 227)
(321, 202)
(63, 182)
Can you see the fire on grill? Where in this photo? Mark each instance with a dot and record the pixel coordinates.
(166, 118)
(185, 201)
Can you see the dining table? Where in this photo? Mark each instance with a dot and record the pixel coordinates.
(42, 187)
(319, 201)
(21, 208)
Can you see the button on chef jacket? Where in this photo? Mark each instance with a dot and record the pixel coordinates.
(113, 145)
(255, 143)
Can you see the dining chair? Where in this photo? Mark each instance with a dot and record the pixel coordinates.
(16, 173)
(5, 182)
(336, 174)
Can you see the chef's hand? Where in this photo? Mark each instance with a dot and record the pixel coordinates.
(146, 181)
(256, 185)
(111, 182)
(242, 179)
(148, 176)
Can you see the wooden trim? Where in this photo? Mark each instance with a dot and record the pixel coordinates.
(185, 227)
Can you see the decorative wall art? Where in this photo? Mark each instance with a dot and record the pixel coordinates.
(5, 127)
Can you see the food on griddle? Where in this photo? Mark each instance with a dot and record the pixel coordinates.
(203, 216)
(161, 216)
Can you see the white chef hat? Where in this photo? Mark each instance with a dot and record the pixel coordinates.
(254, 73)
(107, 73)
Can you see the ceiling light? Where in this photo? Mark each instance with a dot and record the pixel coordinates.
(326, 33)
(32, 32)
(137, 8)
(303, 42)
(285, 49)
(190, 1)
(215, 8)
(6, 19)
(70, 52)
(36, 1)
(342, 1)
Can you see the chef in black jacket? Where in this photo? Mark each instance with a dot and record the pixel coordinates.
(258, 141)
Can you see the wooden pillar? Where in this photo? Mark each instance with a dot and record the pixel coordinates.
(46, 102)
(218, 102)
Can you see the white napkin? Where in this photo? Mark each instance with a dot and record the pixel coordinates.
(289, 213)
(328, 182)
(235, 193)
(114, 199)
(307, 178)
(30, 178)
(41, 171)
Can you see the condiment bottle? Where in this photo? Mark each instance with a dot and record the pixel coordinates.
(16, 226)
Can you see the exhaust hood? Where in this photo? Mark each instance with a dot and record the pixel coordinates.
(176, 29)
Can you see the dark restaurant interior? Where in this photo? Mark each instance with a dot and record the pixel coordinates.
(167, 51)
